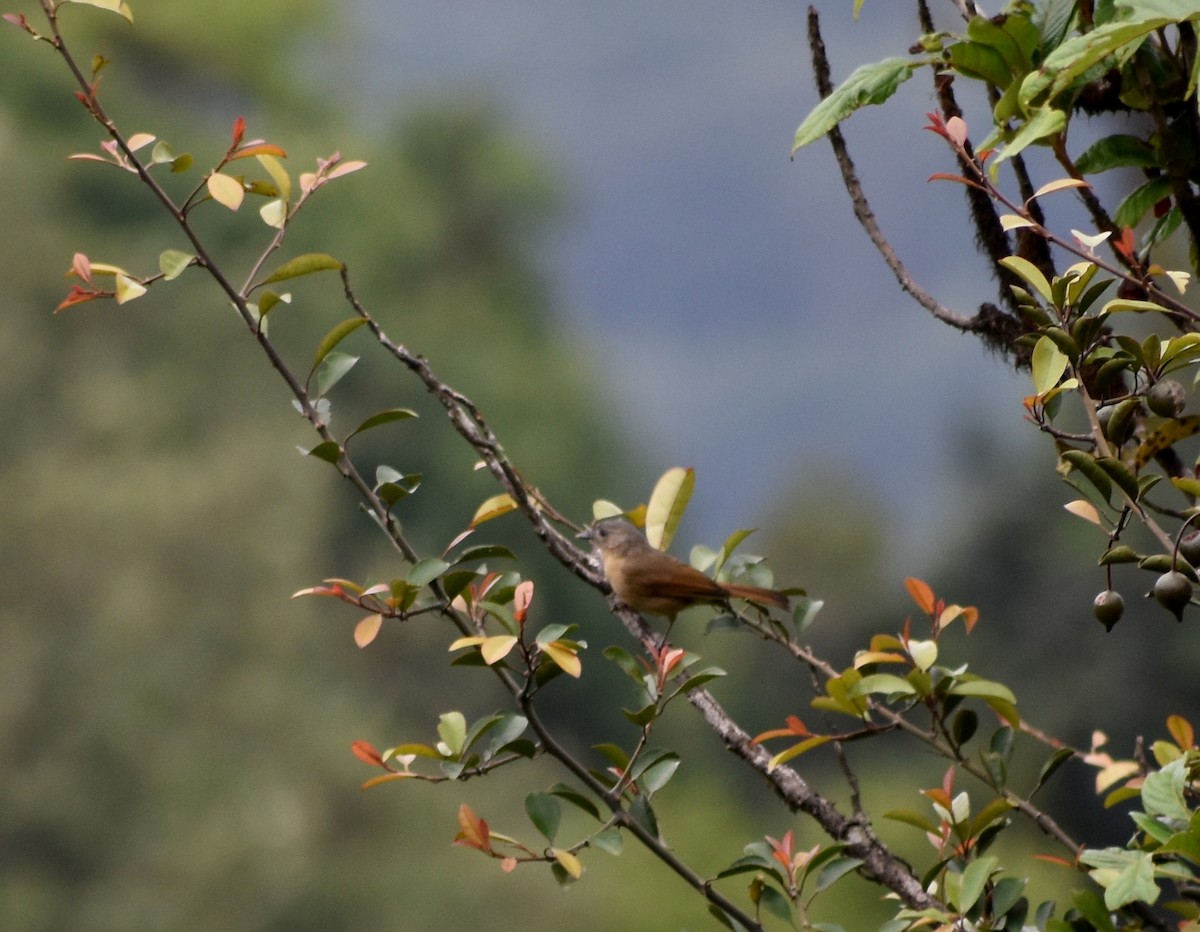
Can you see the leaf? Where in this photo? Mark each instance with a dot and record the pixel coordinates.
(279, 175)
(1181, 731)
(1141, 200)
(569, 863)
(304, 265)
(173, 262)
(835, 870)
(328, 450)
(367, 630)
(1059, 184)
(545, 813)
(564, 657)
(128, 289)
(867, 85)
(494, 507)
(1030, 274)
(575, 798)
(473, 831)
(333, 338)
(974, 879)
(1045, 122)
(274, 213)
(113, 6)
(226, 191)
(426, 571)
(1116, 151)
(659, 773)
(452, 729)
(667, 504)
(333, 367)
(495, 649)
(921, 594)
(383, 417)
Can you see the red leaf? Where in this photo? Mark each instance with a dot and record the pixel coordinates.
(78, 296)
(365, 752)
(239, 131)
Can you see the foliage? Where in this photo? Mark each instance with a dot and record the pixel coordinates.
(1041, 64)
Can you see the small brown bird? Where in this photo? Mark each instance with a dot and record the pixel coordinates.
(648, 580)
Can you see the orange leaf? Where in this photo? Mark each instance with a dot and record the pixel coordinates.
(365, 752)
(385, 778)
(921, 594)
(1181, 730)
(367, 630)
(473, 831)
(259, 148)
(239, 131)
(522, 596)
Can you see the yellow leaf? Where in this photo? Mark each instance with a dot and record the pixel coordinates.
(128, 289)
(274, 213)
(564, 657)
(283, 181)
(494, 507)
(466, 642)
(571, 864)
(225, 190)
(497, 648)
(667, 504)
(603, 508)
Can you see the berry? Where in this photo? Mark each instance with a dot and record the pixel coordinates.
(1173, 591)
(1108, 608)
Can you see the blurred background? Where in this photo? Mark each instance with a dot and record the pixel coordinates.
(585, 215)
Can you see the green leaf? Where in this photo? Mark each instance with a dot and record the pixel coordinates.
(1079, 53)
(1140, 201)
(609, 841)
(1163, 792)
(545, 813)
(173, 262)
(333, 338)
(914, 818)
(485, 552)
(327, 451)
(643, 814)
(869, 84)
(333, 367)
(659, 773)
(1116, 151)
(983, 689)
(383, 417)
(1057, 759)
(1045, 122)
(452, 729)
(575, 798)
(426, 571)
(626, 661)
(507, 728)
(306, 264)
(835, 870)
(974, 879)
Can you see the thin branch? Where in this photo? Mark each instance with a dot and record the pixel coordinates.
(862, 208)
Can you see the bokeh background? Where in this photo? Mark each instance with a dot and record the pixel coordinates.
(586, 216)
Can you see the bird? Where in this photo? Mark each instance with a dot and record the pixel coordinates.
(655, 583)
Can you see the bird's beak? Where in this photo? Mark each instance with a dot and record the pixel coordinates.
(585, 534)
